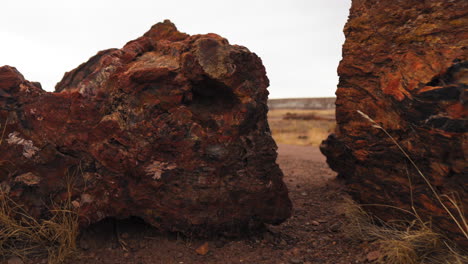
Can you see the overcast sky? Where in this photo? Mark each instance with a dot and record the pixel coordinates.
(299, 41)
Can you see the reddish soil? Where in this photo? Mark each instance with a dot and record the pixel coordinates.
(312, 235)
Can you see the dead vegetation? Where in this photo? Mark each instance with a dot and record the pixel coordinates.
(301, 127)
(25, 237)
(400, 242)
(407, 242)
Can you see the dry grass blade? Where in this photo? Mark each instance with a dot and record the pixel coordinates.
(23, 236)
(3, 131)
(462, 224)
(407, 242)
(399, 242)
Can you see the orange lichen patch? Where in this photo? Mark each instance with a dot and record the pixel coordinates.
(457, 111)
(361, 154)
(412, 85)
(431, 205)
(426, 29)
(459, 22)
(428, 88)
(441, 170)
(440, 132)
(394, 88)
(203, 249)
(417, 69)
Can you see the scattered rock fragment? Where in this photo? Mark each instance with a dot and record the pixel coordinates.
(373, 255)
(15, 260)
(335, 227)
(203, 249)
(295, 261)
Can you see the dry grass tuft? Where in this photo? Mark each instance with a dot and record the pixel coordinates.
(407, 242)
(23, 236)
(402, 242)
(458, 216)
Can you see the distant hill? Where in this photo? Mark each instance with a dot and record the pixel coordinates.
(302, 103)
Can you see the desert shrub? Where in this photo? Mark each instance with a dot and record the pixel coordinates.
(403, 241)
(23, 236)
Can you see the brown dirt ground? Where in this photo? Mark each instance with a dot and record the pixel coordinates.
(312, 235)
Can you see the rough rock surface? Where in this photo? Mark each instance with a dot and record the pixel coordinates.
(171, 128)
(405, 65)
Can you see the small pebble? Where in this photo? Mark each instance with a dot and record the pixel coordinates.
(295, 261)
(84, 244)
(335, 227)
(283, 242)
(15, 260)
(315, 223)
(203, 249)
(142, 244)
(267, 236)
(219, 243)
(373, 255)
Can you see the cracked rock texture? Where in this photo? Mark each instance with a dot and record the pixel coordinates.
(171, 128)
(405, 65)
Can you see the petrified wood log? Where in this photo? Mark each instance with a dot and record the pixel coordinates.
(171, 128)
(405, 65)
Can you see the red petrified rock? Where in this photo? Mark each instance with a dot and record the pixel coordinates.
(171, 128)
(405, 65)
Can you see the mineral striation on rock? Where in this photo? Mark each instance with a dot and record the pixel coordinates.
(405, 65)
(171, 128)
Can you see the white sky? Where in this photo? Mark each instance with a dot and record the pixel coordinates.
(299, 41)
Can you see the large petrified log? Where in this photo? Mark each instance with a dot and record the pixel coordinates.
(405, 65)
(171, 128)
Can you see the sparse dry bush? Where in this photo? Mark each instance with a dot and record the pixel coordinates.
(23, 236)
(402, 241)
